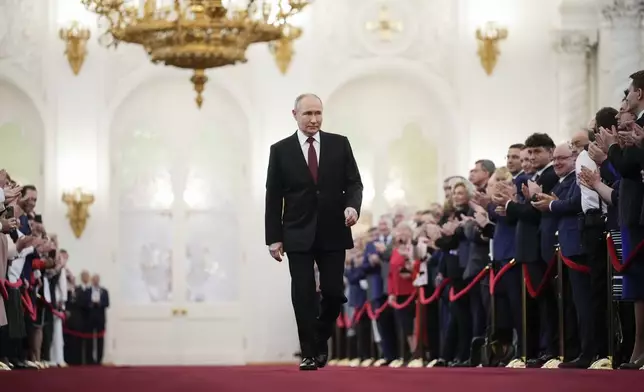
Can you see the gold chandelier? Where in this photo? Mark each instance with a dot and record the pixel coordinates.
(198, 34)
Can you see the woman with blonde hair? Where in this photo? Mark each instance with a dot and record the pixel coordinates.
(456, 265)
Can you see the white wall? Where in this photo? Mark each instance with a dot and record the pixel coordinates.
(468, 115)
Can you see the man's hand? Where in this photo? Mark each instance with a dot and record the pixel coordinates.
(500, 210)
(543, 201)
(481, 199)
(380, 247)
(533, 188)
(596, 154)
(276, 250)
(8, 224)
(350, 216)
(25, 242)
(588, 178)
(481, 218)
(605, 138)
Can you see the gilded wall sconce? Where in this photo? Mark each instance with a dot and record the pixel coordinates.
(488, 37)
(75, 37)
(78, 203)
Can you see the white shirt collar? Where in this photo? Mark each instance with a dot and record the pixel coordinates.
(540, 172)
(303, 138)
(566, 176)
(640, 115)
(514, 177)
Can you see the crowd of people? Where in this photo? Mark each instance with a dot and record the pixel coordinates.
(45, 318)
(534, 264)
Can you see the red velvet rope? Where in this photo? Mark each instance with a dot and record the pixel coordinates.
(456, 296)
(4, 284)
(435, 294)
(83, 335)
(574, 266)
(614, 259)
(528, 283)
(494, 278)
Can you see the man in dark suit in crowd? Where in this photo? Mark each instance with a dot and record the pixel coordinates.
(528, 245)
(313, 197)
(97, 300)
(564, 206)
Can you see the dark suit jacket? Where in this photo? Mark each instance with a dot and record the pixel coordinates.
(567, 210)
(527, 235)
(302, 214)
(628, 163)
(550, 220)
(96, 311)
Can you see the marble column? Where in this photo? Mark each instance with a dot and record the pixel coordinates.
(619, 49)
(573, 47)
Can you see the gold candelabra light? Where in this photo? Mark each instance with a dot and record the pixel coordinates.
(75, 37)
(488, 37)
(78, 203)
(195, 34)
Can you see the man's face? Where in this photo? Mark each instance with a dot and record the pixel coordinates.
(447, 190)
(633, 99)
(308, 115)
(478, 175)
(539, 157)
(96, 280)
(28, 201)
(85, 277)
(624, 115)
(563, 160)
(513, 160)
(383, 228)
(526, 165)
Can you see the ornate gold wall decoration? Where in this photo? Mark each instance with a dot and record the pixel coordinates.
(78, 203)
(488, 37)
(75, 37)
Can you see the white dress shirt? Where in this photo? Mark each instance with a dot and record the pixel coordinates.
(96, 294)
(304, 144)
(589, 197)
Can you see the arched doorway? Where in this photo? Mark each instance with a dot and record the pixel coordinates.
(178, 185)
(394, 126)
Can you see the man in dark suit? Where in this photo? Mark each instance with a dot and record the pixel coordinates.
(97, 300)
(313, 197)
(564, 208)
(528, 244)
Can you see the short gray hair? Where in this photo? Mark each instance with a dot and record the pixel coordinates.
(487, 165)
(302, 96)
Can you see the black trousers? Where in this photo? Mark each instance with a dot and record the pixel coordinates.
(581, 295)
(364, 336)
(432, 325)
(387, 329)
(315, 328)
(594, 243)
(547, 317)
(459, 328)
(508, 308)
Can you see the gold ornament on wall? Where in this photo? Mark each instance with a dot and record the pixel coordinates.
(488, 37)
(385, 26)
(75, 37)
(197, 34)
(78, 203)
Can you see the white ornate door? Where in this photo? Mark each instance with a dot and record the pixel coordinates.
(180, 188)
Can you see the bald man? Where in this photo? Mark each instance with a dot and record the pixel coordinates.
(313, 197)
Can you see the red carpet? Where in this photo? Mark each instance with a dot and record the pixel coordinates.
(333, 379)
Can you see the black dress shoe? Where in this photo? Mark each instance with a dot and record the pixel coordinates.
(308, 364)
(322, 357)
(629, 366)
(539, 362)
(577, 363)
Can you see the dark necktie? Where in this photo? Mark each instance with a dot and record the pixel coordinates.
(537, 177)
(313, 160)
